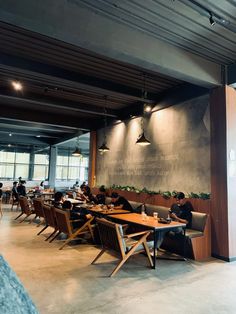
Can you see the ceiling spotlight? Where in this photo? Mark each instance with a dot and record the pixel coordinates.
(38, 135)
(9, 145)
(17, 85)
(147, 108)
(10, 134)
(211, 20)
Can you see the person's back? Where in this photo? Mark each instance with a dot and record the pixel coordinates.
(21, 189)
(14, 191)
(1, 185)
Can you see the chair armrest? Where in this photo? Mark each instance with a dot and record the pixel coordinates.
(137, 234)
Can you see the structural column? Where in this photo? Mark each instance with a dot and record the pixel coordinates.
(223, 172)
(92, 159)
(52, 166)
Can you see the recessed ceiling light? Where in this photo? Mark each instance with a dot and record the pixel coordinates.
(38, 135)
(17, 85)
(9, 145)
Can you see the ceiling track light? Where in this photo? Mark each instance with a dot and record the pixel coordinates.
(17, 85)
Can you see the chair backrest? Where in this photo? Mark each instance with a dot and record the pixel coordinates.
(24, 204)
(199, 221)
(111, 235)
(63, 221)
(49, 215)
(38, 207)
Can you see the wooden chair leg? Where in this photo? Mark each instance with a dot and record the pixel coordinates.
(19, 215)
(59, 232)
(146, 248)
(99, 255)
(24, 218)
(44, 228)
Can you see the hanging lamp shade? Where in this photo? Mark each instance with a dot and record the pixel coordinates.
(142, 141)
(77, 152)
(103, 148)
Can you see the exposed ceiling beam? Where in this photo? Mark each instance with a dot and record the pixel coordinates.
(59, 104)
(55, 118)
(52, 75)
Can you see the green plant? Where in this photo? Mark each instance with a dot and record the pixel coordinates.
(165, 194)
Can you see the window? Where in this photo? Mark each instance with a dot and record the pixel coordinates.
(71, 168)
(40, 166)
(14, 165)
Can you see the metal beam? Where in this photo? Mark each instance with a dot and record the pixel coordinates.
(112, 38)
(52, 75)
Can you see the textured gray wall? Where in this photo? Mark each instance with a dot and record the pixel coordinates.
(177, 159)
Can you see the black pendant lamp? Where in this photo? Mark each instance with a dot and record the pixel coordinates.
(141, 140)
(104, 148)
(77, 152)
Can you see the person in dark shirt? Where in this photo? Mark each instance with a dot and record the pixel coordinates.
(14, 191)
(181, 211)
(21, 188)
(101, 196)
(120, 202)
(58, 199)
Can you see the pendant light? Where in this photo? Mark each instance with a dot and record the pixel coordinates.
(141, 140)
(77, 152)
(104, 148)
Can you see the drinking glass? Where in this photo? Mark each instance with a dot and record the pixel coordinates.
(155, 215)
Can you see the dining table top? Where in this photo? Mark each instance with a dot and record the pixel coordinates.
(148, 221)
(106, 211)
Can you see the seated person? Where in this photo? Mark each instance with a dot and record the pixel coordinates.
(181, 211)
(87, 195)
(101, 196)
(58, 200)
(15, 194)
(1, 189)
(21, 190)
(120, 202)
(82, 214)
(41, 186)
(76, 185)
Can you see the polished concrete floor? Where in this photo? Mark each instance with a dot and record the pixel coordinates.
(65, 282)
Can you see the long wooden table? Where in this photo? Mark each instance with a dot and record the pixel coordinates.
(150, 223)
(98, 211)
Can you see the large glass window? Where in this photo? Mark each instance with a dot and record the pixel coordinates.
(14, 165)
(71, 168)
(40, 167)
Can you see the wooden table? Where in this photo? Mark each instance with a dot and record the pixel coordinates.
(149, 223)
(98, 211)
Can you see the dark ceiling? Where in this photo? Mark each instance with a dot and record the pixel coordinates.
(68, 90)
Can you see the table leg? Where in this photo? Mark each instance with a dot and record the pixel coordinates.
(155, 248)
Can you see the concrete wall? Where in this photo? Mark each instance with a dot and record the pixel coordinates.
(177, 159)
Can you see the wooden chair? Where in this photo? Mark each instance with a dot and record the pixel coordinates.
(38, 208)
(50, 221)
(65, 225)
(14, 201)
(123, 246)
(25, 208)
